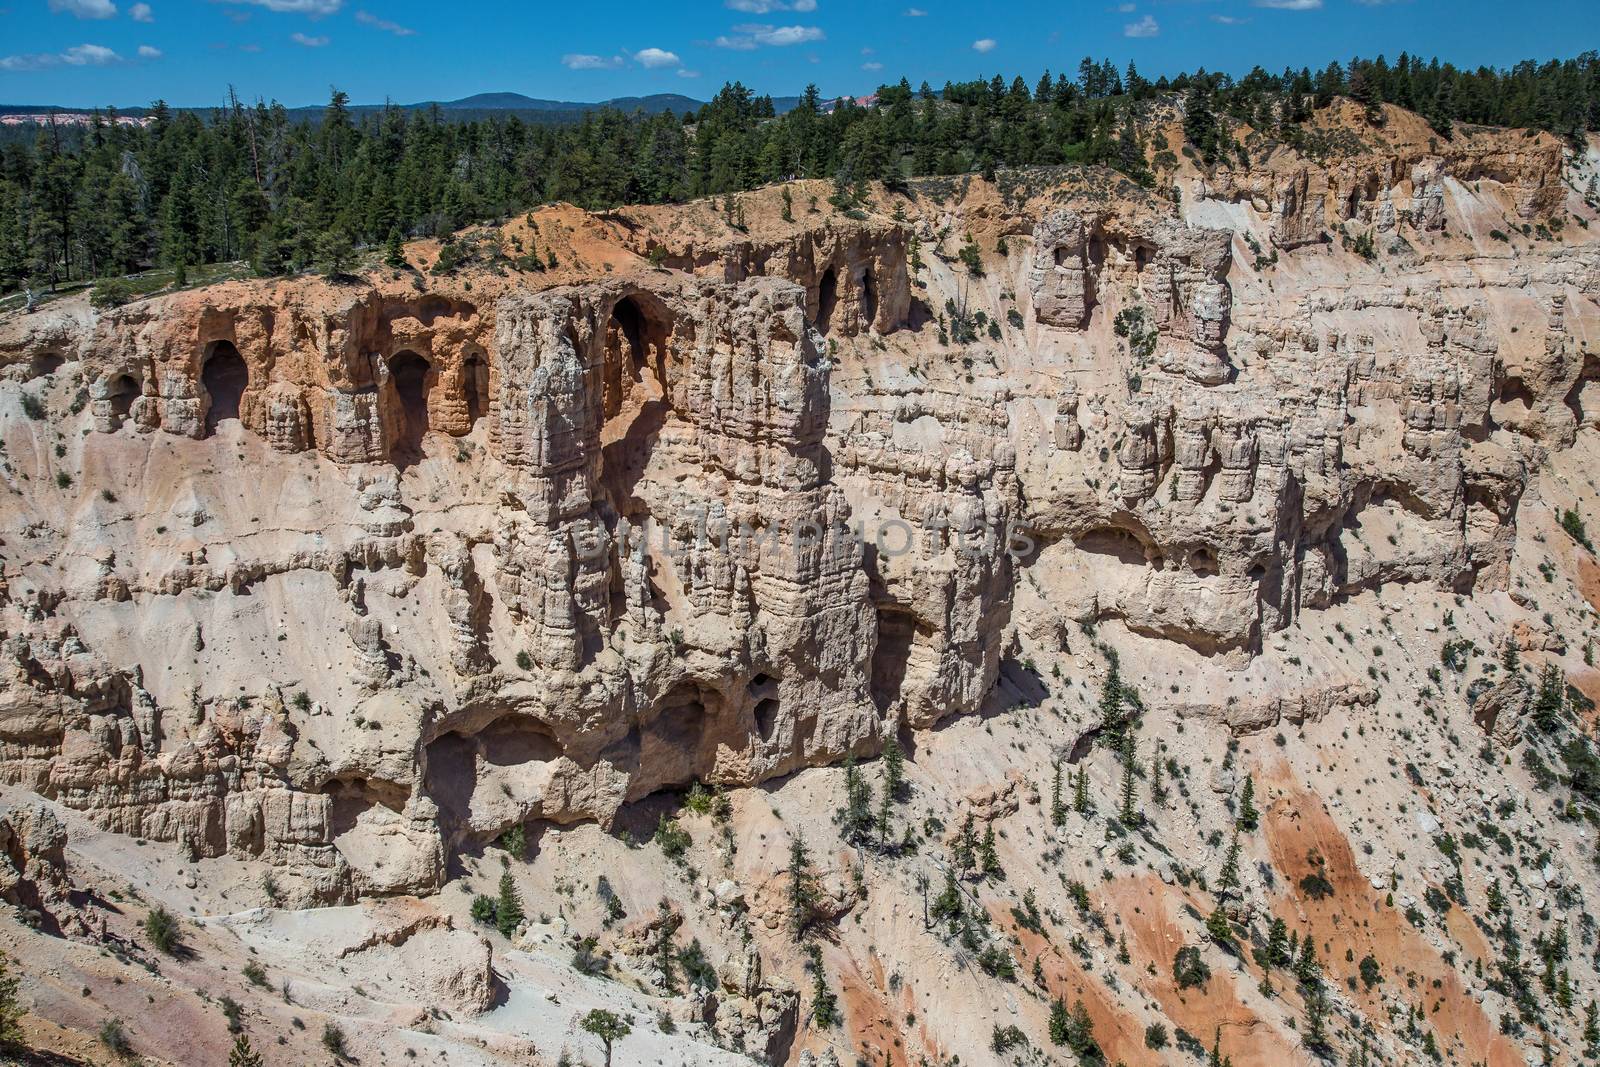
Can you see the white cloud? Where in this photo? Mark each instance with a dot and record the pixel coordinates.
(314, 8)
(686, 73)
(751, 36)
(84, 9)
(1127, 9)
(149, 52)
(1228, 20)
(1145, 27)
(985, 45)
(82, 55)
(367, 18)
(141, 13)
(1291, 5)
(915, 13)
(766, 7)
(656, 58)
(90, 55)
(308, 42)
(872, 66)
(584, 61)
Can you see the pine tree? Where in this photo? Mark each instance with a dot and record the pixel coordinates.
(885, 817)
(947, 905)
(1316, 1032)
(894, 768)
(1228, 877)
(1080, 791)
(1219, 928)
(394, 253)
(1058, 810)
(1277, 952)
(1199, 122)
(243, 1054)
(855, 819)
(988, 857)
(1249, 817)
(1306, 968)
(508, 906)
(1591, 1031)
(824, 1005)
(1129, 814)
(803, 892)
(1060, 1022)
(1158, 791)
(966, 847)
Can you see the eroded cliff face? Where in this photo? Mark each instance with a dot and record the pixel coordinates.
(349, 574)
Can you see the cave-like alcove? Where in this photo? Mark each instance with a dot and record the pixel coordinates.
(223, 379)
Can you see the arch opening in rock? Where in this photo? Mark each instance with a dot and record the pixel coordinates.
(409, 374)
(1121, 544)
(827, 299)
(121, 394)
(897, 633)
(637, 401)
(869, 301)
(766, 714)
(680, 741)
(47, 363)
(1583, 399)
(475, 385)
(488, 780)
(1514, 404)
(223, 379)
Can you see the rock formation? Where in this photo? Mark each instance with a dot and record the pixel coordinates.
(349, 579)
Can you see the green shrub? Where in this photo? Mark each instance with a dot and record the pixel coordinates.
(162, 929)
(113, 292)
(1189, 969)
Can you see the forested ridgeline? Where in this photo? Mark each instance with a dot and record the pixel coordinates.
(250, 183)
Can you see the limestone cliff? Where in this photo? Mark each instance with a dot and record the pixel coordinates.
(349, 577)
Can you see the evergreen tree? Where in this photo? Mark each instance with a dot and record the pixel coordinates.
(1199, 122)
(1249, 817)
(1129, 813)
(1058, 810)
(824, 1005)
(607, 1026)
(966, 849)
(1277, 952)
(1228, 877)
(894, 760)
(803, 891)
(508, 906)
(1080, 791)
(243, 1054)
(1060, 1022)
(855, 819)
(394, 253)
(1316, 1031)
(988, 857)
(1306, 968)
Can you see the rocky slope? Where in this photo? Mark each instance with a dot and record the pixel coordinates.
(315, 590)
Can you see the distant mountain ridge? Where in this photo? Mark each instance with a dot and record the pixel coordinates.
(479, 105)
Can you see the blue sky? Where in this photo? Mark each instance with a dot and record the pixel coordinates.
(88, 52)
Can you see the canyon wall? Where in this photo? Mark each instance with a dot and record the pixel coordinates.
(350, 574)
